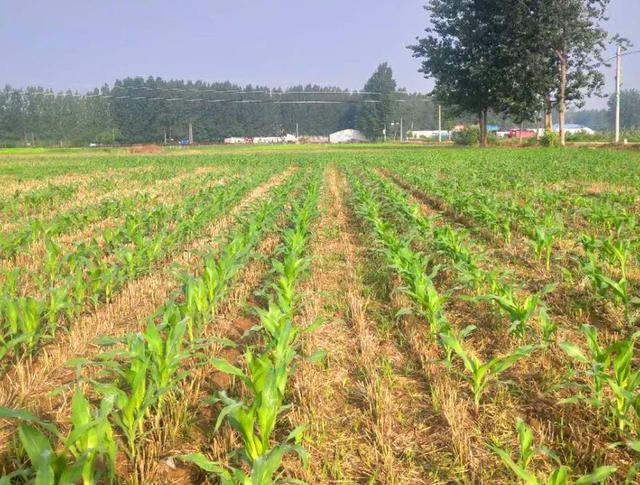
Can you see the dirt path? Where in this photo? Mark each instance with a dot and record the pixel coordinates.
(368, 414)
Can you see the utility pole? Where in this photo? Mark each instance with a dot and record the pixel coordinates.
(439, 123)
(190, 133)
(297, 132)
(618, 85)
(401, 130)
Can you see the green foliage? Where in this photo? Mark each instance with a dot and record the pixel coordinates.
(374, 112)
(480, 375)
(550, 139)
(559, 476)
(87, 453)
(254, 415)
(609, 367)
(469, 136)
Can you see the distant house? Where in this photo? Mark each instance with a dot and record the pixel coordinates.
(427, 134)
(347, 136)
(237, 141)
(288, 138)
(313, 139)
(274, 140)
(571, 129)
(267, 140)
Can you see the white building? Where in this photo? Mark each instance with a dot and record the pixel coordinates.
(571, 129)
(427, 134)
(288, 138)
(274, 140)
(234, 140)
(347, 136)
(267, 140)
(313, 139)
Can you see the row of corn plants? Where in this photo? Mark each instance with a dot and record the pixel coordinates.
(413, 269)
(135, 379)
(25, 321)
(18, 240)
(30, 202)
(604, 270)
(464, 260)
(267, 364)
(136, 226)
(614, 382)
(480, 375)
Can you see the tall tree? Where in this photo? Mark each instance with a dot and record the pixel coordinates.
(573, 36)
(376, 109)
(458, 52)
(516, 59)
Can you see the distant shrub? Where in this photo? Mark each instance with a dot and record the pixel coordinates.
(550, 139)
(469, 136)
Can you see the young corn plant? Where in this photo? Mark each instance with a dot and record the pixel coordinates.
(597, 363)
(421, 290)
(548, 328)
(561, 475)
(254, 417)
(605, 285)
(127, 382)
(609, 368)
(255, 421)
(481, 375)
(86, 454)
(519, 311)
(624, 382)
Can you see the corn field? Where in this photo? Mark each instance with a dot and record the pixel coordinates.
(370, 314)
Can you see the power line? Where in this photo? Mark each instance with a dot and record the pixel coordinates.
(623, 55)
(212, 101)
(270, 93)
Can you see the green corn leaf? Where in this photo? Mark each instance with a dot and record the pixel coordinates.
(27, 417)
(205, 464)
(317, 356)
(559, 476)
(36, 445)
(519, 471)
(597, 476)
(572, 350)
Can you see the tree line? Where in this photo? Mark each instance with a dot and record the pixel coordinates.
(152, 110)
(603, 119)
(518, 59)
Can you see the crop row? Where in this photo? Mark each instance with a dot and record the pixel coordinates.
(602, 260)
(137, 377)
(613, 378)
(25, 321)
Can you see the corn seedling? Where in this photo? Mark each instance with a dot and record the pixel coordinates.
(611, 366)
(88, 452)
(519, 311)
(480, 375)
(559, 476)
(548, 327)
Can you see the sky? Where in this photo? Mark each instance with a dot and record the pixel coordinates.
(81, 44)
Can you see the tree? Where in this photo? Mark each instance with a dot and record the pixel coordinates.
(515, 59)
(572, 36)
(459, 53)
(376, 108)
(629, 109)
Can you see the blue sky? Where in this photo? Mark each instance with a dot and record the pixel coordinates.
(81, 44)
